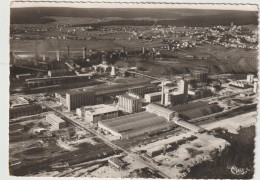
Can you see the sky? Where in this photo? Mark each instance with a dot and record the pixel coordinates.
(246, 7)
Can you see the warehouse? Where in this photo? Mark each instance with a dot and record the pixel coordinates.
(56, 122)
(25, 110)
(196, 109)
(134, 124)
(96, 113)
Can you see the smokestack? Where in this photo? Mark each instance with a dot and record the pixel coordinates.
(43, 58)
(143, 50)
(58, 55)
(68, 52)
(162, 98)
(84, 53)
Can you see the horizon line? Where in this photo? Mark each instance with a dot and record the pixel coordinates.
(131, 5)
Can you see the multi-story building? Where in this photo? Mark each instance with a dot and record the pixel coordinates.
(96, 113)
(79, 98)
(130, 103)
(55, 121)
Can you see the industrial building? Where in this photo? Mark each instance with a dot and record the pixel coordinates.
(177, 97)
(255, 88)
(99, 92)
(97, 113)
(23, 76)
(196, 109)
(79, 98)
(130, 103)
(142, 90)
(117, 163)
(200, 74)
(56, 122)
(20, 101)
(239, 84)
(25, 110)
(60, 72)
(199, 93)
(160, 111)
(250, 78)
(134, 124)
(153, 97)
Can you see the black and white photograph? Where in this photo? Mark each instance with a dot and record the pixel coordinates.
(132, 90)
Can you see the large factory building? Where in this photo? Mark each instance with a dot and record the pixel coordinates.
(155, 119)
(25, 110)
(79, 98)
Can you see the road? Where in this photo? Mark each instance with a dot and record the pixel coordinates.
(139, 158)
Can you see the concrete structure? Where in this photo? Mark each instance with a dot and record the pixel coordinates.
(178, 97)
(97, 113)
(130, 103)
(25, 110)
(255, 88)
(134, 125)
(239, 83)
(23, 76)
(79, 98)
(153, 97)
(200, 74)
(56, 122)
(160, 111)
(250, 78)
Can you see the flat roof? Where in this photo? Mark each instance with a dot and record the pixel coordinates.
(99, 109)
(128, 97)
(154, 93)
(55, 118)
(134, 122)
(160, 108)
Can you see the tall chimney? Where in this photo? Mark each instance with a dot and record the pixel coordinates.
(43, 58)
(84, 53)
(162, 98)
(143, 50)
(58, 55)
(68, 52)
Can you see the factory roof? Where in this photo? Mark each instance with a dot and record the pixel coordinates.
(55, 118)
(154, 94)
(160, 108)
(128, 96)
(99, 109)
(79, 91)
(196, 109)
(134, 122)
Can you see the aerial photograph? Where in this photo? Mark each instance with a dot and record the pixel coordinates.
(121, 90)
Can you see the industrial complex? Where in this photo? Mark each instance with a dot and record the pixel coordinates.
(129, 101)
